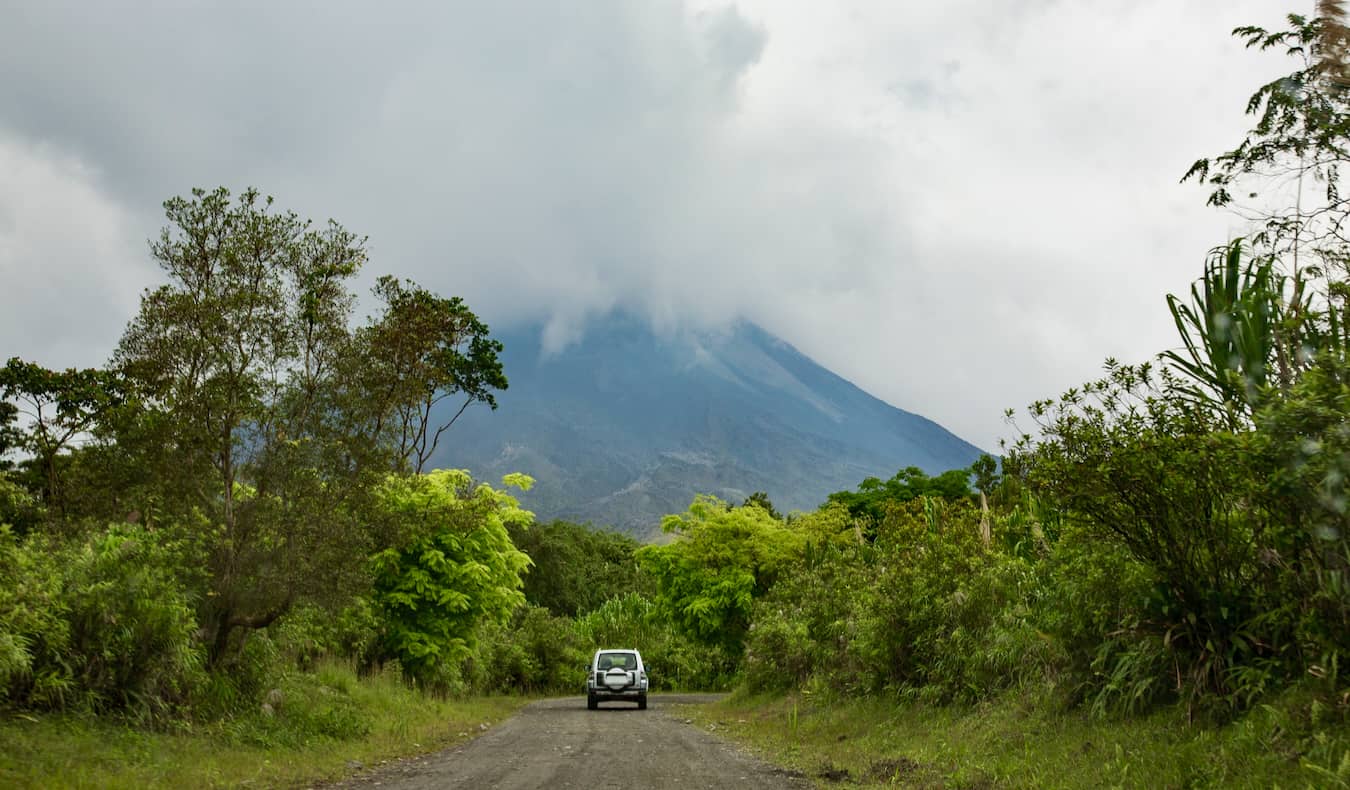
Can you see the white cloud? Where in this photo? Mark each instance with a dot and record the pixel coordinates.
(960, 206)
(67, 262)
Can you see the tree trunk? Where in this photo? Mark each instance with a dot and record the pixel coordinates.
(986, 533)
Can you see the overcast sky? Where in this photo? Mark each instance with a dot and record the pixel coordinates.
(960, 206)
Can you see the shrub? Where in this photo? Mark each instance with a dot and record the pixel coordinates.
(721, 559)
(104, 625)
(34, 630)
(809, 622)
(1306, 448)
(673, 659)
(536, 652)
(1142, 468)
(1096, 597)
(131, 625)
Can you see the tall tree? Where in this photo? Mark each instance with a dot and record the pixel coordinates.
(761, 499)
(10, 437)
(576, 567)
(235, 358)
(422, 351)
(59, 407)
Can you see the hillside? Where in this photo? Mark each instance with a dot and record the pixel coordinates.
(627, 425)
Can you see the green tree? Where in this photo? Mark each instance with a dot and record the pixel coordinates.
(1142, 467)
(1285, 176)
(1297, 144)
(576, 568)
(869, 501)
(720, 561)
(60, 407)
(424, 350)
(235, 360)
(761, 499)
(451, 570)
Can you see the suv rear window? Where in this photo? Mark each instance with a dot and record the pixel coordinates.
(620, 660)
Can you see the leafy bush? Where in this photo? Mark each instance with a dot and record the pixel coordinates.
(673, 659)
(1306, 448)
(810, 621)
(1096, 597)
(577, 568)
(925, 609)
(34, 632)
(131, 625)
(950, 619)
(721, 559)
(104, 625)
(1144, 469)
(453, 569)
(536, 652)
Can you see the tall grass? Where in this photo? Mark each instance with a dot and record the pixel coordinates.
(1026, 739)
(326, 723)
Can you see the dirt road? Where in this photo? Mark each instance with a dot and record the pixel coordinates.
(559, 744)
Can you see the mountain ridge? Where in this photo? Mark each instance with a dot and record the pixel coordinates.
(626, 425)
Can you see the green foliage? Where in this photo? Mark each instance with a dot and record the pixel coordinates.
(59, 406)
(762, 500)
(452, 569)
(1302, 124)
(1230, 332)
(985, 470)
(101, 626)
(261, 417)
(311, 709)
(810, 624)
(1141, 466)
(868, 503)
(720, 561)
(950, 620)
(33, 631)
(673, 660)
(10, 435)
(310, 634)
(19, 509)
(424, 349)
(1095, 594)
(237, 362)
(576, 568)
(535, 652)
(1306, 450)
(924, 609)
(131, 640)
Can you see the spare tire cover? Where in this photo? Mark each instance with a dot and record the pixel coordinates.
(617, 678)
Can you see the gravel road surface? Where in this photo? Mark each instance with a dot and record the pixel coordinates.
(559, 744)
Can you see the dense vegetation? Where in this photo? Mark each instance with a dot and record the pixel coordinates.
(240, 493)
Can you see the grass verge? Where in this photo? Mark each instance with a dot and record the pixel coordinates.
(1297, 741)
(329, 725)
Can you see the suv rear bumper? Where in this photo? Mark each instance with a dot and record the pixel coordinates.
(600, 692)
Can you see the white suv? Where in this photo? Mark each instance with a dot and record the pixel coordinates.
(616, 674)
